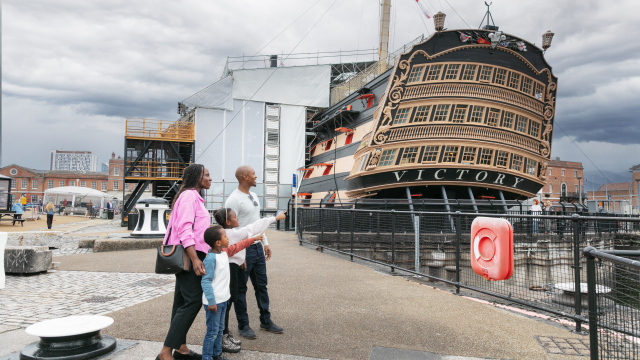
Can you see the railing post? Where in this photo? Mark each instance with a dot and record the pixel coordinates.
(299, 219)
(393, 240)
(458, 241)
(352, 225)
(576, 265)
(593, 306)
(321, 228)
(416, 227)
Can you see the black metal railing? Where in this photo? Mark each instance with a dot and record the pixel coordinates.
(613, 282)
(550, 271)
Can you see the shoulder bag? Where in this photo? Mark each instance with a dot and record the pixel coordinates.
(172, 259)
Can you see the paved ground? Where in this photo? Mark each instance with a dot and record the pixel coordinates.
(329, 307)
(59, 223)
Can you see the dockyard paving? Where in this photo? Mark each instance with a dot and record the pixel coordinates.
(60, 223)
(329, 307)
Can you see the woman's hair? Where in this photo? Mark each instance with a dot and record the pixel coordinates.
(213, 234)
(221, 215)
(191, 177)
(50, 206)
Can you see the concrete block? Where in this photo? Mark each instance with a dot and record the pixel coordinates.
(27, 259)
(102, 245)
(86, 243)
(49, 239)
(55, 265)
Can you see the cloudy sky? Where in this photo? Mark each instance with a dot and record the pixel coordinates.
(73, 70)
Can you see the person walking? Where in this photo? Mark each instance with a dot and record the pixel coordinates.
(245, 205)
(50, 209)
(17, 207)
(188, 222)
(23, 201)
(536, 209)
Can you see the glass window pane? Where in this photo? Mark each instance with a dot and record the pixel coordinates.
(282, 203)
(216, 189)
(229, 187)
(285, 190)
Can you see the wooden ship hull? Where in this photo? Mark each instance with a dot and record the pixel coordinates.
(456, 117)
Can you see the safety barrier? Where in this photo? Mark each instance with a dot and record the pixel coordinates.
(549, 267)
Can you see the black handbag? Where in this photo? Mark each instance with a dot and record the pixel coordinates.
(176, 260)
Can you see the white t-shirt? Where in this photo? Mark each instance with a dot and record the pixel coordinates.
(536, 209)
(245, 209)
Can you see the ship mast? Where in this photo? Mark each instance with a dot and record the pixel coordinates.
(385, 19)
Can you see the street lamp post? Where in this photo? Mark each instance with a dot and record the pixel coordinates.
(638, 195)
(579, 190)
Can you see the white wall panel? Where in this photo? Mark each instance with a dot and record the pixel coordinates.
(292, 138)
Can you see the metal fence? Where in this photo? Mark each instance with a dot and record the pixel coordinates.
(550, 271)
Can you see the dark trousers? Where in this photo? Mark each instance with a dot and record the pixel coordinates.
(49, 221)
(187, 302)
(234, 273)
(257, 272)
(15, 217)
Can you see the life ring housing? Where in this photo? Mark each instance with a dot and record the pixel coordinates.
(492, 248)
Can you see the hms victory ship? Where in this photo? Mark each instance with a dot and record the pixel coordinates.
(462, 114)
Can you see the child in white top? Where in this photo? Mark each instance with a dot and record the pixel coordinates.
(215, 286)
(229, 221)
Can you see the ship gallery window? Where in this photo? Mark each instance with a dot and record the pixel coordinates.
(450, 154)
(459, 114)
(501, 75)
(434, 72)
(430, 154)
(364, 162)
(514, 81)
(477, 114)
(441, 113)
(532, 166)
(539, 90)
(507, 120)
(469, 72)
(452, 72)
(416, 74)
(469, 155)
(422, 113)
(485, 73)
(402, 116)
(409, 155)
(494, 115)
(485, 157)
(521, 124)
(516, 162)
(387, 157)
(535, 129)
(502, 158)
(527, 84)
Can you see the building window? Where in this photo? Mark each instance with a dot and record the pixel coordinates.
(494, 116)
(539, 91)
(460, 113)
(527, 85)
(550, 188)
(452, 72)
(485, 73)
(521, 124)
(50, 184)
(34, 199)
(416, 74)
(535, 129)
(442, 112)
(514, 81)
(516, 162)
(72, 183)
(450, 154)
(83, 184)
(422, 113)
(24, 184)
(61, 183)
(94, 185)
(562, 172)
(485, 157)
(387, 157)
(116, 170)
(104, 186)
(563, 188)
(401, 116)
(34, 184)
(549, 171)
(502, 159)
(476, 114)
(501, 75)
(409, 155)
(469, 155)
(430, 154)
(575, 188)
(532, 167)
(469, 72)
(434, 72)
(507, 120)
(13, 172)
(116, 185)
(13, 183)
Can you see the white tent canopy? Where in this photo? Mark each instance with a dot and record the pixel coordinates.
(76, 195)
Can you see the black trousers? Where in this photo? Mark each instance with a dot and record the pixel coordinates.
(49, 220)
(16, 216)
(187, 302)
(234, 271)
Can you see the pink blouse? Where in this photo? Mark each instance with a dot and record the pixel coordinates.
(189, 207)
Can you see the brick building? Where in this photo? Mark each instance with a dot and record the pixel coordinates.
(562, 181)
(619, 197)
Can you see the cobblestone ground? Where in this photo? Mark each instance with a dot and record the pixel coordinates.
(28, 299)
(112, 225)
(71, 250)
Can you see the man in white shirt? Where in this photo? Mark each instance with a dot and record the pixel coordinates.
(247, 208)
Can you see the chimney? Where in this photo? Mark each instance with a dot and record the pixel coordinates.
(113, 155)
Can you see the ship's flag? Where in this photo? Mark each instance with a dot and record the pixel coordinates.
(482, 41)
(504, 44)
(521, 46)
(423, 8)
(464, 37)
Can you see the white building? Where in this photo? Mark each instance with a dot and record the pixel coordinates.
(256, 117)
(73, 161)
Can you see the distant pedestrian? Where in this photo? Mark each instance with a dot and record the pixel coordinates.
(536, 210)
(40, 208)
(23, 201)
(17, 207)
(50, 210)
(189, 220)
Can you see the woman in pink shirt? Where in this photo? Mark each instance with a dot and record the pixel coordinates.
(189, 219)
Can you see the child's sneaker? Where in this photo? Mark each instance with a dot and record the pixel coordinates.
(228, 345)
(233, 340)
